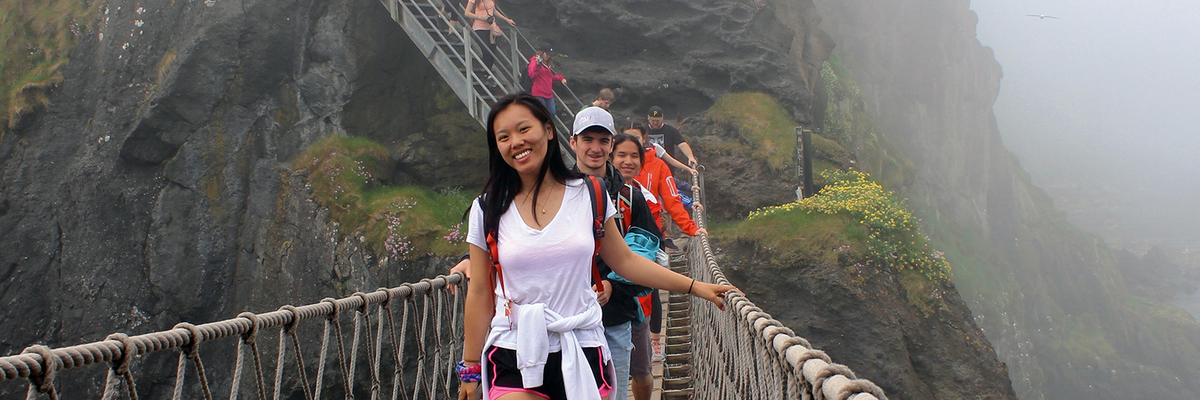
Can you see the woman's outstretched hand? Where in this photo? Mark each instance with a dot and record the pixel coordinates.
(712, 292)
(466, 390)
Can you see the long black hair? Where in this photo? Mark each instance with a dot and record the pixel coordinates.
(625, 137)
(503, 183)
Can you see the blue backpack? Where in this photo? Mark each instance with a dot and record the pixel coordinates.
(644, 244)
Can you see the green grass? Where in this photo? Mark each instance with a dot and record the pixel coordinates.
(810, 236)
(762, 121)
(405, 223)
(36, 37)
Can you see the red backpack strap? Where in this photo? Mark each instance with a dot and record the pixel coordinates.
(625, 208)
(596, 189)
(494, 251)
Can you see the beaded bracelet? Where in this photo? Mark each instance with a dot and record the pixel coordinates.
(468, 374)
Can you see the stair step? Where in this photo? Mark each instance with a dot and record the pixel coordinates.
(679, 339)
(685, 358)
(677, 371)
(677, 383)
(678, 330)
(679, 313)
(685, 321)
(423, 5)
(679, 348)
(680, 394)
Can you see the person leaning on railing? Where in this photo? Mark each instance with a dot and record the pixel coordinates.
(541, 72)
(538, 217)
(483, 15)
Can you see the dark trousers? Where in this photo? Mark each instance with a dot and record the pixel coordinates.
(485, 39)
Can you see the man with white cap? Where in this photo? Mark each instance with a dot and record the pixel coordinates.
(592, 141)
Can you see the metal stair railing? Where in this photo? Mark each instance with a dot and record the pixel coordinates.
(457, 56)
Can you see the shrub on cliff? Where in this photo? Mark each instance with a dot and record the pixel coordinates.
(37, 35)
(404, 223)
(893, 236)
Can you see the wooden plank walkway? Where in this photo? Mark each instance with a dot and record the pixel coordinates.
(674, 320)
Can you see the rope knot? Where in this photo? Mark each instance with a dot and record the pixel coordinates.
(428, 282)
(44, 381)
(291, 325)
(250, 335)
(363, 308)
(192, 348)
(333, 315)
(128, 351)
(386, 304)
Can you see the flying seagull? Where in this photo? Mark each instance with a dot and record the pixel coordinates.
(1040, 16)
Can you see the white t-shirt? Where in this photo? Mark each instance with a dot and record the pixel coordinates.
(659, 150)
(551, 266)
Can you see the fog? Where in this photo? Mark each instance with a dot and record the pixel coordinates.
(1102, 106)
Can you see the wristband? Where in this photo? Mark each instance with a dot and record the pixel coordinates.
(468, 374)
(690, 286)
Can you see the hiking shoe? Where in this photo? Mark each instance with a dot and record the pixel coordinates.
(670, 244)
(658, 350)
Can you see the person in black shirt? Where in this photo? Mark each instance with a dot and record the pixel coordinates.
(667, 136)
(592, 141)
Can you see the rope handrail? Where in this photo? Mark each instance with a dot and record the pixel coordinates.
(739, 353)
(769, 360)
(39, 364)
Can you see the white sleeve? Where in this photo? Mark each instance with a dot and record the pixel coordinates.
(659, 151)
(610, 210)
(475, 234)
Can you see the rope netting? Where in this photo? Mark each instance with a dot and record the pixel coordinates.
(404, 339)
(743, 353)
(738, 353)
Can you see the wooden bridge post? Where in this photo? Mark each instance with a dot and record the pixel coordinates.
(806, 155)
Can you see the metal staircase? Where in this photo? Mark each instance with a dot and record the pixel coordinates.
(457, 56)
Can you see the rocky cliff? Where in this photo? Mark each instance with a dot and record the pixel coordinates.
(1048, 296)
(157, 185)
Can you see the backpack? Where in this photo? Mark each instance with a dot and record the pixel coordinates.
(526, 81)
(596, 190)
(644, 244)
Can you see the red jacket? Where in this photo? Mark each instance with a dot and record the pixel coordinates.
(543, 79)
(656, 177)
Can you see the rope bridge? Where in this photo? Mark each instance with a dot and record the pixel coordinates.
(430, 325)
(741, 353)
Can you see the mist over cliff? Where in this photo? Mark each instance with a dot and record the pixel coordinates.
(166, 170)
(1049, 296)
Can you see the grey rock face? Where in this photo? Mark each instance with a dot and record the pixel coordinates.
(156, 188)
(931, 85)
(682, 55)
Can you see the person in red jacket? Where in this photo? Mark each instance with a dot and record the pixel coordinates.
(656, 177)
(543, 76)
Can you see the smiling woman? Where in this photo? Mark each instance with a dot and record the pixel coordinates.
(539, 220)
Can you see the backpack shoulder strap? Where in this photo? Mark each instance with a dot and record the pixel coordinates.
(596, 189)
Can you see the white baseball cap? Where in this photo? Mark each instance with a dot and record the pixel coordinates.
(593, 116)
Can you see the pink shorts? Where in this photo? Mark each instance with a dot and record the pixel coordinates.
(506, 378)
